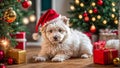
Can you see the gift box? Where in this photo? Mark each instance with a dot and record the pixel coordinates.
(18, 55)
(99, 44)
(104, 56)
(107, 34)
(21, 40)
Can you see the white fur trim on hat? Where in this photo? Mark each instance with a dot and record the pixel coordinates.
(35, 36)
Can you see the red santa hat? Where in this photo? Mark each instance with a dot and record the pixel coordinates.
(44, 19)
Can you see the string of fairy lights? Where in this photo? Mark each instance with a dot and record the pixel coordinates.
(94, 10)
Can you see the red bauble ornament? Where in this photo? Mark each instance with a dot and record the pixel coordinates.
(95, 10)
(10, 61)
(18, 0)
(1, 55)
(93, 29)
(86, 19)
(100, 2)
(85, 14)
(26, 4)
(2, 66)
(30, 2)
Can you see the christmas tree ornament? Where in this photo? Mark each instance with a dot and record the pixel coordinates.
(93, 4)
(93, 19)
(80, 16)
(18, 0)
(1, 55)
(113, 15)
(113, 4)
(90, 11)
(26, 4)
(77, 2)
(4, 44)
(25, 20)
(81, 4)
(9, 15)
(100, 2)
(93, 28)
(116, 21)
(98, 17)
(32, 18)
(85, 14)
(2, 66)
(116, 61)
(10, 61)
(86, 19)
(95, 10)
(30, 2)
(104, 22)
(113, 9)
(72, 7)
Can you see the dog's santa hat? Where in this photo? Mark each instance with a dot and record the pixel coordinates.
(49, 15)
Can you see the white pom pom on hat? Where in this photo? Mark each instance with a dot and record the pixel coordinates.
(44, 19)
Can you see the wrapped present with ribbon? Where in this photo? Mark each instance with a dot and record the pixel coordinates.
(99, 44)
(21, 40)
(18, 55)
(104, 56)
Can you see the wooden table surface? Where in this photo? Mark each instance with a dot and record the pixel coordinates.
(70, 63)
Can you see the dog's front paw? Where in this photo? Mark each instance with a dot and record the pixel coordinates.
(84, 56)
(40, 58)
(57, 59)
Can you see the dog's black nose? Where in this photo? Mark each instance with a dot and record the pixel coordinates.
(55, 38)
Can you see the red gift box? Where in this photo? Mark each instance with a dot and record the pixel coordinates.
(104, 56)
(99, 44)
(21, 40)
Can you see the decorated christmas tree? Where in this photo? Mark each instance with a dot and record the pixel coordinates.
(92, 15)
(12, 13)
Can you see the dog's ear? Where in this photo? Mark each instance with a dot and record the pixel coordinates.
(65, 20)
(43, 28)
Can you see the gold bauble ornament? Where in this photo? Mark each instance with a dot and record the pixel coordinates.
(104, 22)
(82, 4)
(9, 15)
(116, 21)
(113, 9)
(98, 17)
(93, 4)
(93, 28)
(116, 61)
(112, 15)
(113, 4)
(72, 7)
(93, 19)
(80, 16)
(77, 1)
(90, 11)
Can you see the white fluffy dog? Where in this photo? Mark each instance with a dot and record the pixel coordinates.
(59, 42)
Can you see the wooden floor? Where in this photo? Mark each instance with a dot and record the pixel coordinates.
(71, 63)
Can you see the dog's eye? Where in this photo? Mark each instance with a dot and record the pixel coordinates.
(50, 31)
(60, 30)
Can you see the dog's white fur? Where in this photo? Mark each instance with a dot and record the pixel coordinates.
(69, 43)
